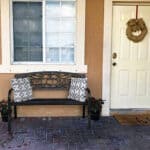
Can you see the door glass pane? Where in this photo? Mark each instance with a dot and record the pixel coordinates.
(53, 9)
(52, 55)
(67, 55)
(68, 9)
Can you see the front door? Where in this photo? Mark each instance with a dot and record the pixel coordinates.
(130, 75)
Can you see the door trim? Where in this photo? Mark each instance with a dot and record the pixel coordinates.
(107, 47)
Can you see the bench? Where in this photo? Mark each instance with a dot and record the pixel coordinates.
(48, 81)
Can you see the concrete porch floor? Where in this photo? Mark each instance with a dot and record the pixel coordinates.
(72, 134)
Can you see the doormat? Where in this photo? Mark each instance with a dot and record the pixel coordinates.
(138, 119)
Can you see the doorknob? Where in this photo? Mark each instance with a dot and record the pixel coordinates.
(114, 55)
(114, 63)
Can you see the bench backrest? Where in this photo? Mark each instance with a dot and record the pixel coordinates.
(50, 80)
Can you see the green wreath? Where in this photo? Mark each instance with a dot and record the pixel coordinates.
(136, 30)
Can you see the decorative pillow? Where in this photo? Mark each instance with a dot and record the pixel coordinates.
(77, 89)
(22, 89)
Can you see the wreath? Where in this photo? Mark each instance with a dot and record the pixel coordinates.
(136, 30)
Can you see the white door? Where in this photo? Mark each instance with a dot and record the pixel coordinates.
(130, 76)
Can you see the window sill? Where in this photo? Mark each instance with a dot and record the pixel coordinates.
(34, 68)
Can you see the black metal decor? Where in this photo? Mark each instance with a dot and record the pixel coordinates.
(51, 81)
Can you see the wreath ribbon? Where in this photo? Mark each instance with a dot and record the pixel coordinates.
(137, 11)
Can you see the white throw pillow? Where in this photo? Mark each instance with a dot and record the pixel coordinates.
(77, 89)
(22, 89)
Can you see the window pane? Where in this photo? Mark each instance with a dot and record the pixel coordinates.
(52, 55)
(67, 39)
(35, 11)
(67, 25)
(67, 55)
(68, 9)
(35, 25)
(23, 10)
(60, 31)
(21, 54)
(20, 25)
(20, 10)
(35, 54)
(52, 39)
(27, 24)
(35, 39)
(53, 9)
(20, 39)
(52, 25)
(25, 54)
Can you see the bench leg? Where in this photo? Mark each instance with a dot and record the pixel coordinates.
(89, 120)
(89, 114)
(9, 119)
(83, 115)
(9, 124)
(15, 111)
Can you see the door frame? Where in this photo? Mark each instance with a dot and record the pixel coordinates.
(107, 48)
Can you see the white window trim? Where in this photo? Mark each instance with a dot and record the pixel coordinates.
(6, 37)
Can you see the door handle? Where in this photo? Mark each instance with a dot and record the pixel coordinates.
(114, 63)
(114, 55)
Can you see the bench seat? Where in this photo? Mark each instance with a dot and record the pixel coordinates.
(47, 101)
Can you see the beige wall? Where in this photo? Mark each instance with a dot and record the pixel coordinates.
(93, 48)
(0, 38)
(94, 44)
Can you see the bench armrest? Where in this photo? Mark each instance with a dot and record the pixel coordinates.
(9, 95)
(88, 99)
(9, 108)
(88, 92)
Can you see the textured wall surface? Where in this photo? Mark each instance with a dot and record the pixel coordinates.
(93, 54)
(94, 44)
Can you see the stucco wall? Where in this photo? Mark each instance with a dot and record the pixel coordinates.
(93, 54)
(94, 44)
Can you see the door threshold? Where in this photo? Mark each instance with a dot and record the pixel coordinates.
(132, 111)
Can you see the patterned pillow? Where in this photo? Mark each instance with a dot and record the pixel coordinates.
(22, 89)
(77, 89)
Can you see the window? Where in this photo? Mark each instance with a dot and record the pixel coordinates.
(44, 31)
(42, 35)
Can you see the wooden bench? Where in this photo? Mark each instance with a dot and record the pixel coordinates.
(48, 81)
